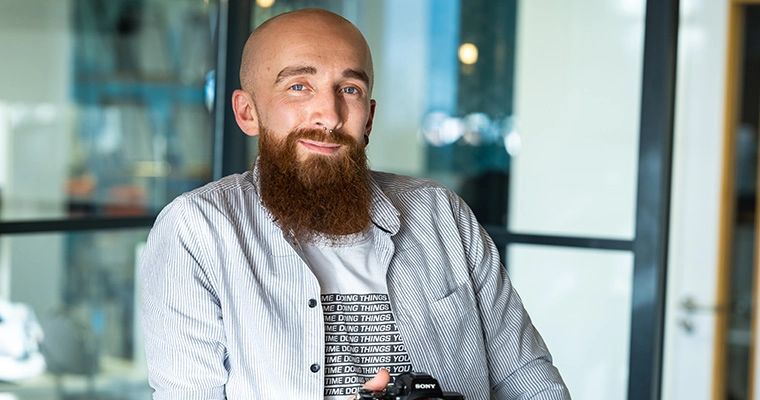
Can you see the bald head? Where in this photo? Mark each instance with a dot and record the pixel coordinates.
(313, 29)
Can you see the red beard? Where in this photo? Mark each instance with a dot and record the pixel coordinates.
(326, 195)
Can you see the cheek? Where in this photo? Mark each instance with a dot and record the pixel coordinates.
(281, 118)
(359, 115)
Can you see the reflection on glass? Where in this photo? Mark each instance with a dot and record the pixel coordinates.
(117, 122)
(468, 53)
(81, 291)
(476, 164)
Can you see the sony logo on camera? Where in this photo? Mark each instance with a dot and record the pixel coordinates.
(425, 386)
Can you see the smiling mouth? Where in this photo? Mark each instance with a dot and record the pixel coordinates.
(320, 147)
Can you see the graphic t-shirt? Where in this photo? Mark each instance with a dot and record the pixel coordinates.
(360, 331)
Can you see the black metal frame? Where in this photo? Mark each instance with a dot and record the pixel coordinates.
(653, 200)
(502, 238)
(75, 224)
(649, 246)
(229, 140)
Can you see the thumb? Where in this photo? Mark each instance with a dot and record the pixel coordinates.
(379, 382)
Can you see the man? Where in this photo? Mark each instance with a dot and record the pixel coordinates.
(311, 274)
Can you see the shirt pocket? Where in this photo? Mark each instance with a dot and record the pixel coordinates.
(456, 314)
(459, 331)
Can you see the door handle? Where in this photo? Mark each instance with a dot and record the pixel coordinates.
(690, 306)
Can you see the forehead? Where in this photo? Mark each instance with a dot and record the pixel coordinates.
(323, 44)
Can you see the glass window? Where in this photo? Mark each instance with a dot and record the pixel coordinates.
(103, 108)
(80, 316)
(580, 301)
(577, 110)
(105, 111)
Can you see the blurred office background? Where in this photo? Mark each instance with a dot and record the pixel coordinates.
(608, 146)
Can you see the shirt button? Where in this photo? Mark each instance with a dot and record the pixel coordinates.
(312, 304)
(314, 367)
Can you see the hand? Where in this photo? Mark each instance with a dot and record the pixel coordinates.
(379, 382)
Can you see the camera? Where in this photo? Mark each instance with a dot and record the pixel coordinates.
(411, 386)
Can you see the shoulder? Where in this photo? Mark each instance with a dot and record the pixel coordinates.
(229, 186)
(224, 196)
(230, 189)
(417, 195)
(394, 184)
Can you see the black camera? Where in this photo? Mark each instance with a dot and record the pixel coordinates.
(411, 386)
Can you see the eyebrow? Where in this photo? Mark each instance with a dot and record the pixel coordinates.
(288, 72)
(360, 75)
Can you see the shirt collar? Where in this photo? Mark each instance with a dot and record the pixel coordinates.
(384, 214)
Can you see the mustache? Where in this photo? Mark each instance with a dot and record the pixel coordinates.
(321, 135)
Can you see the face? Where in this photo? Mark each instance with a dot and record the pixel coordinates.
(307, 80)
(307, 72)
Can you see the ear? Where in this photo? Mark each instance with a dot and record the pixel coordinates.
(368, 127)
(245, 112)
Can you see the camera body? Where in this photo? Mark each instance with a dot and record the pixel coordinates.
(411, 386)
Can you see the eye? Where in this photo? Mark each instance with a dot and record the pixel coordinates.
(298, 87)
(350, 90)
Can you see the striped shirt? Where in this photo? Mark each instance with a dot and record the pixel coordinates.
(231, 310)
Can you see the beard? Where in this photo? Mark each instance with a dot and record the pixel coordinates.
(320, 195)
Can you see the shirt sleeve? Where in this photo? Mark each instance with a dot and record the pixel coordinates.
(519, 363)
(182, 321)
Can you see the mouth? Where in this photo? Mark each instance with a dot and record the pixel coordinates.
(320, 147)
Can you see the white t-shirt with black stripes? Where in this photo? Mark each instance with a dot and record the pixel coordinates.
(360, 331)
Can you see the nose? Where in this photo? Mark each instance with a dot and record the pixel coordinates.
(327, 112)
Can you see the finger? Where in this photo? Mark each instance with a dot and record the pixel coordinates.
(379, 382)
